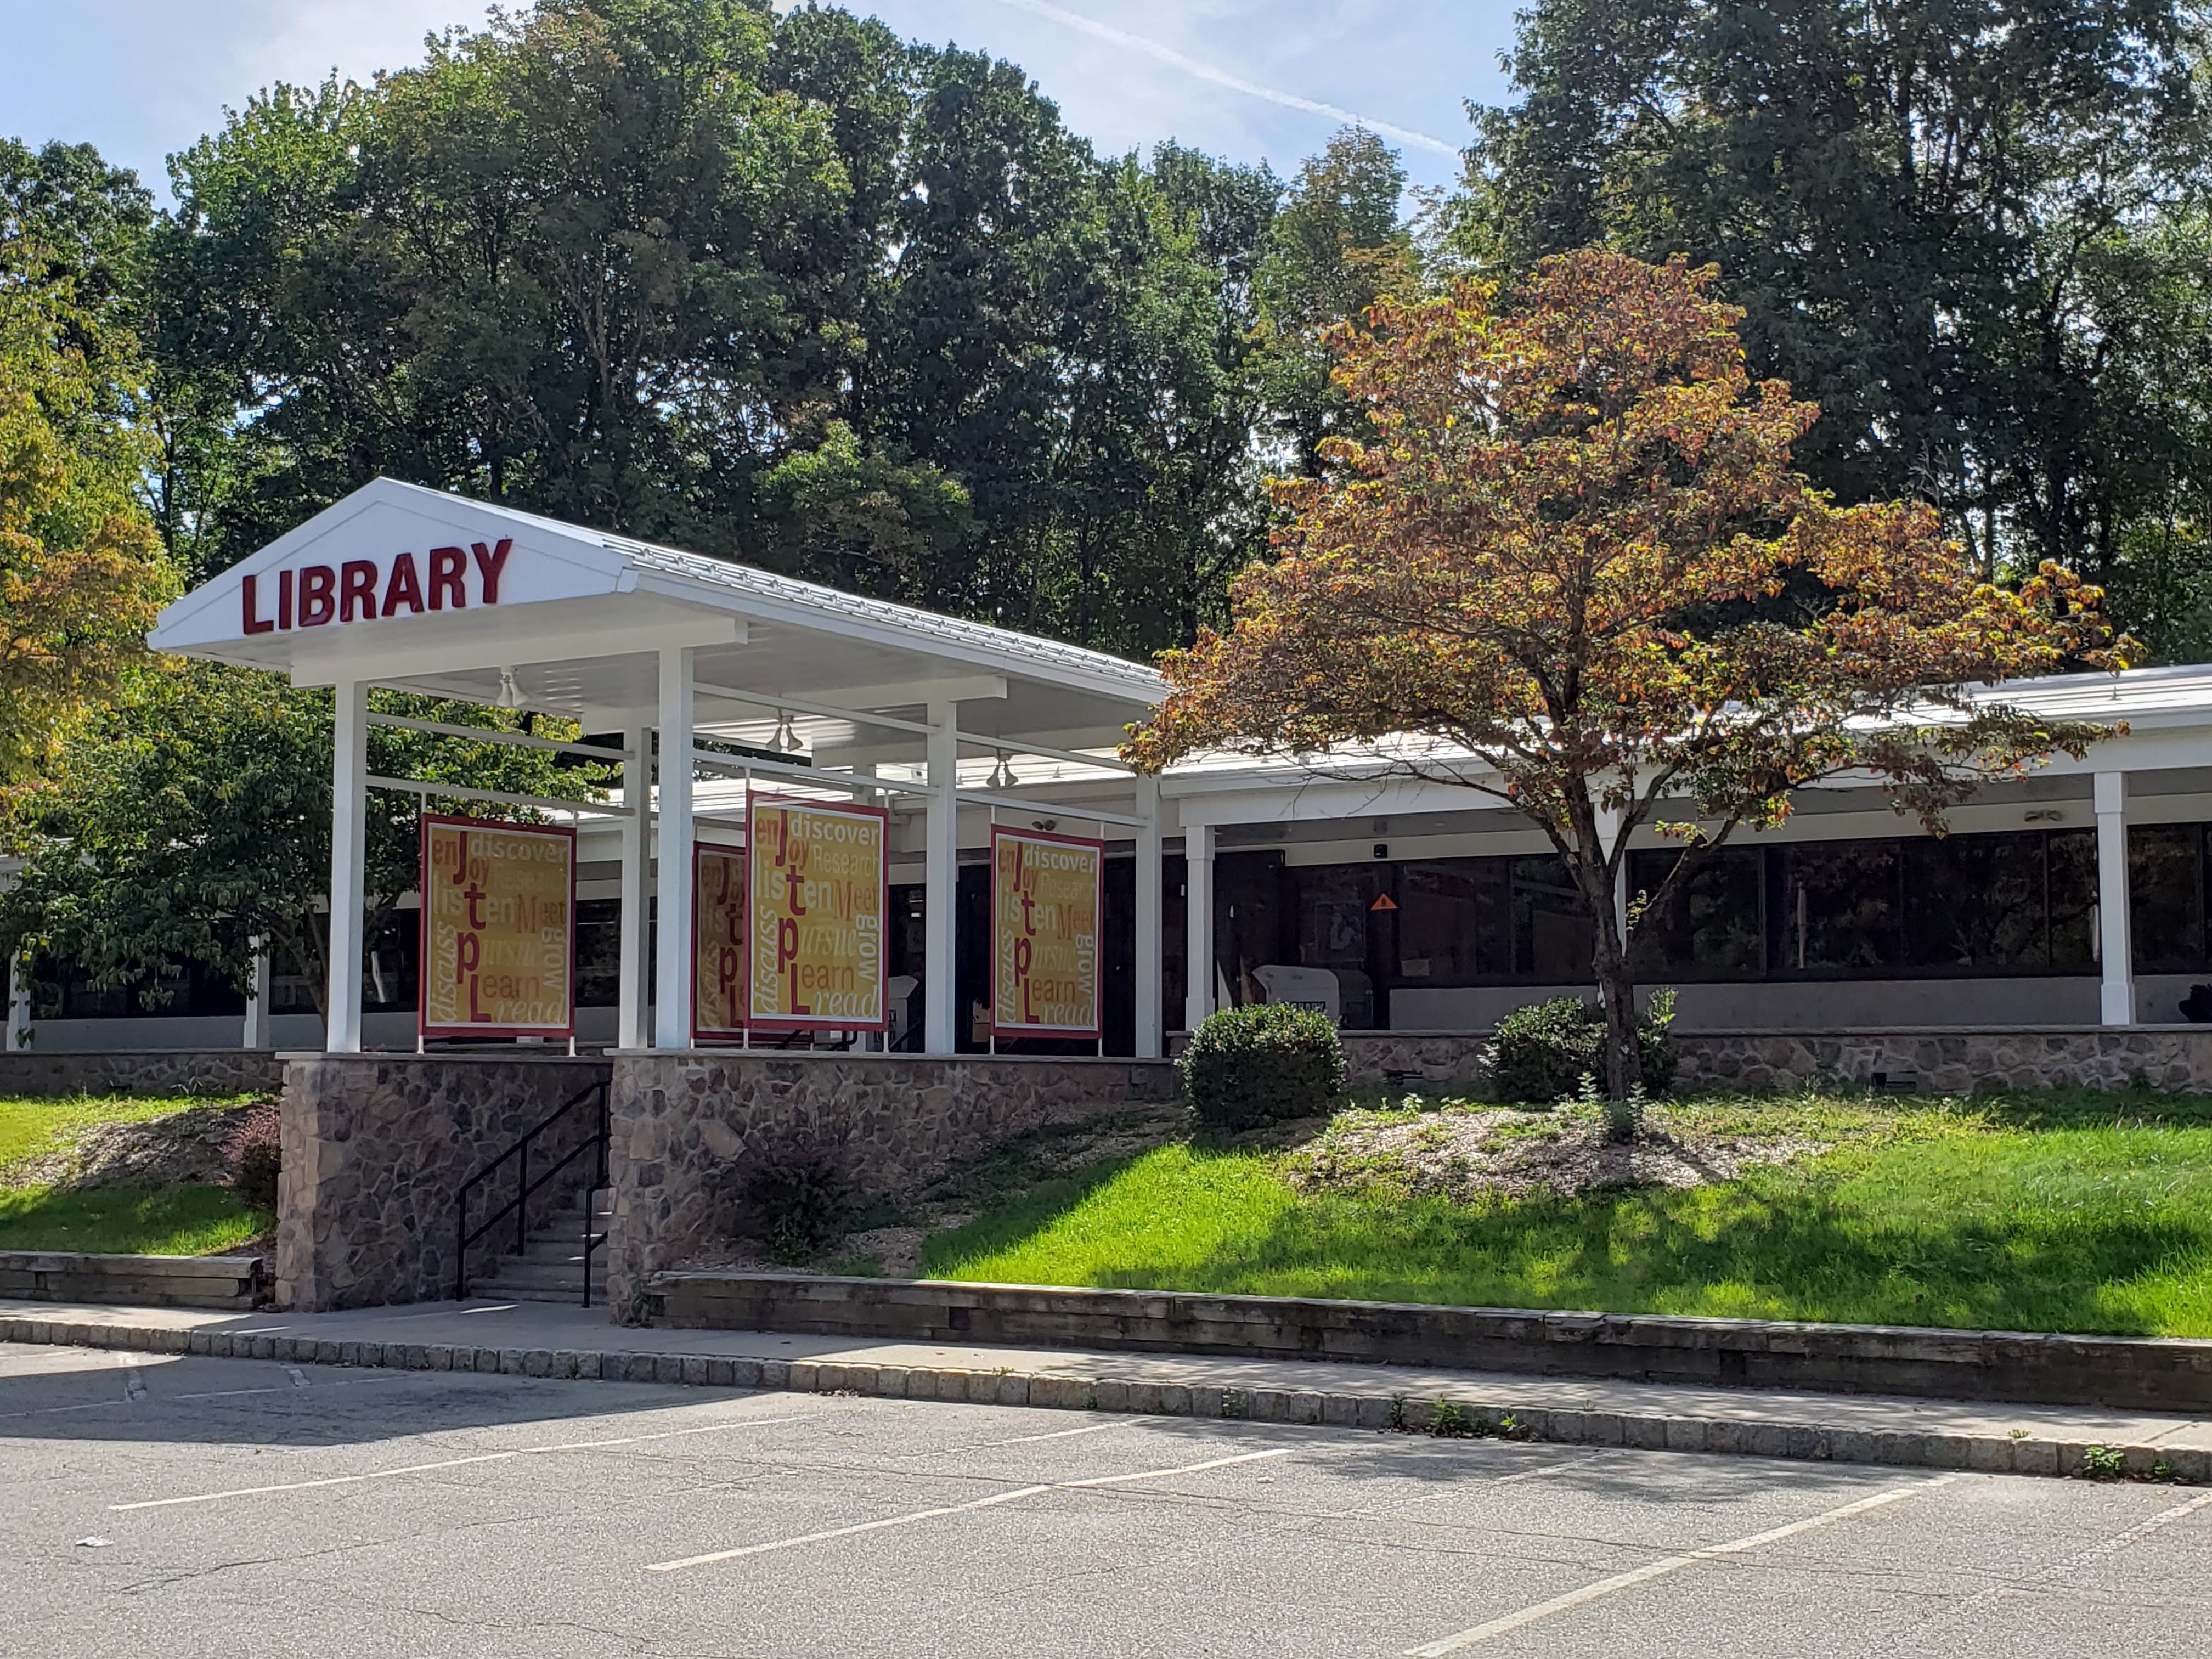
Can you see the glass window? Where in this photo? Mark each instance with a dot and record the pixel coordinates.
(598, 953)
(2165, 892)
(1553, 938)
(2073, 886)
(1710, 927)
(1838, 909)
(1975, 903)
(1451, 922)
(1333, 902)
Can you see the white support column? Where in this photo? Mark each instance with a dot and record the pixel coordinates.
(19, 1004)
(2115, 949)
(941, 883)
(1151, 1042)
(631, 1028)
(1198, 931)
(256, 1033)
(349, 849)
(671, 1009)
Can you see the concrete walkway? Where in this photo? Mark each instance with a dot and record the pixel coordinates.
(548, 1340)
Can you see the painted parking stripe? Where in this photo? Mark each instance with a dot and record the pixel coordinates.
(454, 1463)
(913, 1517)
(1644, 1575)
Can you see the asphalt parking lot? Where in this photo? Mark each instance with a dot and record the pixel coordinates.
(243, 1508)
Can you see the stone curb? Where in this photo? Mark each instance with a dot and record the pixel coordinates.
(1471, 1417)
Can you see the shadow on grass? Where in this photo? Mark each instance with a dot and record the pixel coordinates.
(128, 1220)
(1025, 1216)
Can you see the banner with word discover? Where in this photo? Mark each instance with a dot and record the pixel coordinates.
(819, 892)
(1045, 902)
(499, 912)
(718, 917)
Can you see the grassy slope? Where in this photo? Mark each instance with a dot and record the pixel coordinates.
(131, 1220)
(2053, 1212)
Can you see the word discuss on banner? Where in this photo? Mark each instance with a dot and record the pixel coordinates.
(1045, 895)
(498, 909)
(718, 912)
(819, 890)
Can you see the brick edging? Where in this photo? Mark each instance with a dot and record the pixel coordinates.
(1486, 1415)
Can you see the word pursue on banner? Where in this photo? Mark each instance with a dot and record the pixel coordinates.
(1045, 898)
(365, 589)
(820, 888)
(498, 907)
(718, 914)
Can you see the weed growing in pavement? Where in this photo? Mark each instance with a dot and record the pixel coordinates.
(2019, 1434)
(2103, 1463)
(2162, 1471)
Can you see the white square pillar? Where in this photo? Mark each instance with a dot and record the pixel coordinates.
(631, 1030)
(941, 883)
(671, 1010)
(349, 853)
(1151, 1033)
(1197, 931)
(2115, 947)
(19, 1003)
(256, 1033)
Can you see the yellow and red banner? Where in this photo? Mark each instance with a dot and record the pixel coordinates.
(1046, 896)
(819, 893)
(499, 912)
(717, 918)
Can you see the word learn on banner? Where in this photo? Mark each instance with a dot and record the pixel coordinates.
(1044, 948)
(718, 913)
(498, 910)
(819, 890)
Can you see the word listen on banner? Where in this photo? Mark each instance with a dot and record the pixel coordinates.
(498, 909)
(818, 892)
(1045, 902)
(718, 912)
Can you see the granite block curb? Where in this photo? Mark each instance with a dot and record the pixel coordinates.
(1475, 1414)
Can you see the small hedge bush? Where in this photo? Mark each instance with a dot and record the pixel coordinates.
(1540, 1053)
(1261, 1064)
(253, 1156)
(793, 1194)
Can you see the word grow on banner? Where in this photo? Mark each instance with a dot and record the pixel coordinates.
(819, 890)
(498, 909)
(718, 915)
(1045, 899)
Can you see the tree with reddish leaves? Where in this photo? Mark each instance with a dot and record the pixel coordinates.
(1570, 567)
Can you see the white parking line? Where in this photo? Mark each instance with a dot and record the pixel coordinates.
(1644, 1575)
(908, 1519)
(455, 1462)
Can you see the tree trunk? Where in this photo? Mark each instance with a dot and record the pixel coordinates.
(1624, 1060)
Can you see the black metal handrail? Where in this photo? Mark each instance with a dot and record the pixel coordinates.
(596, 1143)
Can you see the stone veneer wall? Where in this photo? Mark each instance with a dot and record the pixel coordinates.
(375, 1149)
(683, 1122)
(143, 1071)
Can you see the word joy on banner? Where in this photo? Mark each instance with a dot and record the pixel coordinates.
(498, 910)
(718, 917)
(819, 890)
(1046, 894)
(317, 595)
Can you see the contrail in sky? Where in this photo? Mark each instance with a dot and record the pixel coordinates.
(1223, 78)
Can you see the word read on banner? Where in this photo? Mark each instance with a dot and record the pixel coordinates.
(1045, 898)
(498, 909)
(819, 890)
(718, 914)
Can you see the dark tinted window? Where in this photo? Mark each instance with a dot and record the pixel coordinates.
(1711, 924)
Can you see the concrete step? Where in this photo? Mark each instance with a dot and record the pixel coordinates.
(500, 1291)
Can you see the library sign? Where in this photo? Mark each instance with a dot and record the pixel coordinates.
(498, 909)
(1045, 898)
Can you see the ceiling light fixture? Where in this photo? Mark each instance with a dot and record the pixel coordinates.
(1002, 774)
(510, 694)
(786, 741)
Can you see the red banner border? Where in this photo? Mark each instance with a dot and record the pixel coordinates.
(423, 1029)
(1098, 1028)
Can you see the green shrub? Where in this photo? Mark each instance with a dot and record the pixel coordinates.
(793, 1194)
(1260, 1064)
(1542, 1052)
(253, 1155)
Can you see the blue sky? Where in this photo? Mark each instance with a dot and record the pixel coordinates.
(141, 78)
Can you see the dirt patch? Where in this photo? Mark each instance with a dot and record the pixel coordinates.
(190, 1148)
(1472, 1154)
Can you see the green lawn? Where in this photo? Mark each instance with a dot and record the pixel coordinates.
(2062, 1212)
(127, 1220)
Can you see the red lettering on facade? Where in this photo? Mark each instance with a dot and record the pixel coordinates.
(406, 587)
(319, 603)
(449, 578)
(357, 590)
(283, 598)
(490, 561)
(255, 622)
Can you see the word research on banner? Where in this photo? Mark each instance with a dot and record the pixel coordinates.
(718, 914)
(818, 892)
(1045, 900)
(498, 910)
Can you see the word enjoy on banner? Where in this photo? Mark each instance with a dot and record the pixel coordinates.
(498, 909)
(818, 892)
(717, 920)
(1045, 901)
